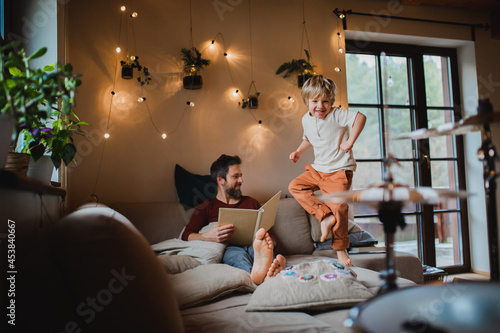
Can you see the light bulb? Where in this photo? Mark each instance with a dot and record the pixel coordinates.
(118, 49)
(134, 15)
(341, 16)
(141, 99)
(337, 69)
(291, 99)
(260, 123)
(341, 50)
(106, 135)
(113, 93)
(213, 41)
(191, 104)
(164, 136)
(339, 34)
(132, 58)
(123, 8)
(226, 55)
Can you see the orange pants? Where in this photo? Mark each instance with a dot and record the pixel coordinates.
(303, 187)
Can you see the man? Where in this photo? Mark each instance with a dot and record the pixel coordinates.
(257, 259)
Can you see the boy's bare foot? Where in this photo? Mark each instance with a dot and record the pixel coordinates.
(343, 257)
(263, 256)
(326, 227)
(278, 264)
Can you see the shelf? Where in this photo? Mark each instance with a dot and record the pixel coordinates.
(9, 180)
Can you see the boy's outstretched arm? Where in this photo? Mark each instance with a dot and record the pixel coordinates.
(357, 127)
(304, 145)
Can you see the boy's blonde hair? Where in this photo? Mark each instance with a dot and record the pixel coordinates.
(318, 86)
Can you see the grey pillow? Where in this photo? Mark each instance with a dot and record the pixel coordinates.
(207, 283)
(317, 285)
(175, 264)
(292, 230)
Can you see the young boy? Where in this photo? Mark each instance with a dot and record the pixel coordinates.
(326, 129)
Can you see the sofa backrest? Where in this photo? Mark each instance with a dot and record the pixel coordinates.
(157, 221)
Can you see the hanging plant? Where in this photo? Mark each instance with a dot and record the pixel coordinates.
(193, 64)
(128, 70)
(300, 67)
(252, 102)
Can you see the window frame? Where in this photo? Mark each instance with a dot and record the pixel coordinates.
(418, 108)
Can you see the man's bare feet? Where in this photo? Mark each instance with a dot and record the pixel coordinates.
(343, 257)
(263, 256)
(278, 264)
(326, 226)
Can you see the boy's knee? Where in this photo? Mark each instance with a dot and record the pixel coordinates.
(292, 187)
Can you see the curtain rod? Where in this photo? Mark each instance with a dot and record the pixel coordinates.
(342, 15)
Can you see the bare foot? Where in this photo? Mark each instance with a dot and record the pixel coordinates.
(263, 256)
(278, 264)
(343, 257)
(326, 227)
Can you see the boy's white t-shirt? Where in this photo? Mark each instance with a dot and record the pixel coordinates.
(326, 135)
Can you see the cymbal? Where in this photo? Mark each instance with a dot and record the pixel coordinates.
(464, 126)
(391, 192)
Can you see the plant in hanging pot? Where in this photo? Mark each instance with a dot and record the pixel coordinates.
(252, 102)
(128, 66)
(41, 101)
(193, 64)
(300, 67)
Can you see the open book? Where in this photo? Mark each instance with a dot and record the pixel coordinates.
(248, 221)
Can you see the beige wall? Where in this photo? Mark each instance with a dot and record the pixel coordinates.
(135, 164)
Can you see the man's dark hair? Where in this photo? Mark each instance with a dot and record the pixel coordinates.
(220, 167)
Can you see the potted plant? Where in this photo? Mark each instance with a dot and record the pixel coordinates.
(193, 64)
(41, 101)
(128, 66)
(300, 67)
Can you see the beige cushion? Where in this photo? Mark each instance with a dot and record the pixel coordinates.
(175, 264)
(203, 251)
(317, 285)
(292, 229)
(102, 257)
(207, 283)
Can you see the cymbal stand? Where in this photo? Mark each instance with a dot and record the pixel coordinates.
(488, 155)
(390, 215)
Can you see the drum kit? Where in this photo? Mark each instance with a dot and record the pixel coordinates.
(389, 198)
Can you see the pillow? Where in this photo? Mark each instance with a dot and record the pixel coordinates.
(204, 252)
(175, 264)
(316, 285)
(193, 189)
(293, 233)
(207, 283)
(316, 228)
(356, 239)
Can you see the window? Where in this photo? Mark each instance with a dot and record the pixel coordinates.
(401, 88)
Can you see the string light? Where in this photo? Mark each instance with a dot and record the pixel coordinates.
(226, 55)
(113, 93)
(106, 135)
(260, 123)
(191, 104)
(123, 8)
(213, 41)
(341, 16)
(132, 58)
(337, 69)
(118, 49)
(339, 34)
(134, 15)
(141, 99)
(291, 99)
(341, 50)
(164, 136)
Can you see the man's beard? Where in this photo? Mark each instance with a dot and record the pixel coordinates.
(234, 193)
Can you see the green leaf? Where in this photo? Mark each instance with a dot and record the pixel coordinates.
(48, 68)
(67, 68)
(40, 52)
(69, 153)
(15, 71)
